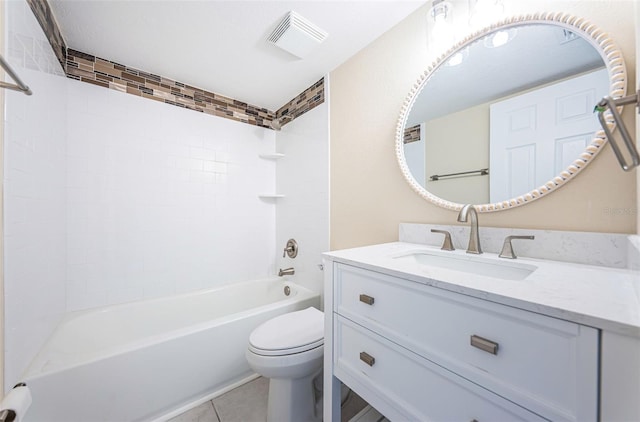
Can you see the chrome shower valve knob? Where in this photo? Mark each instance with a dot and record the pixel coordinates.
(291, 249)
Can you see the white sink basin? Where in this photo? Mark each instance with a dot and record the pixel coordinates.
(471, 264)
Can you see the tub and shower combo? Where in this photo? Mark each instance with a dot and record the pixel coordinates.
(153, 359)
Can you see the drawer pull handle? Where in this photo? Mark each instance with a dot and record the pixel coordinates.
(484, 344)
(367, 358)
(367, 299)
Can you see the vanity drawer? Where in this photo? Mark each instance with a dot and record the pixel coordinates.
(414, 387)
(547, 365)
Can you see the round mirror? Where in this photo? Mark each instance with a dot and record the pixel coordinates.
(506, 116)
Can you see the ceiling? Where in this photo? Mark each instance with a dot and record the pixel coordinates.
(537, 55)
(221, 46)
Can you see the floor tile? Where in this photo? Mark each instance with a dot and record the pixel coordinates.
(203, 413)
(352, 406)
(247, 403)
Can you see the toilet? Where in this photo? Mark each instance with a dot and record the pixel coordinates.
(288, 350)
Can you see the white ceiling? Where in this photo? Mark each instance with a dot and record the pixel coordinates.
(538, 54)
(221, 46)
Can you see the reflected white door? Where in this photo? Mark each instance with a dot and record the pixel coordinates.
(534, 136)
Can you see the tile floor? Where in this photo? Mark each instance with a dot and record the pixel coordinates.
(248, 403)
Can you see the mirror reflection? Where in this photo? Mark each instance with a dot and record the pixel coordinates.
(505, 114)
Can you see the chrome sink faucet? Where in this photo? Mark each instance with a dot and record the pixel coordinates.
(474, 237)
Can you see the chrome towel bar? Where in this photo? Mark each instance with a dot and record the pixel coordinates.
(611, 104)
(481, 172)
(19, 85)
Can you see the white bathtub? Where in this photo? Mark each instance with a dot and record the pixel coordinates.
(148, 360)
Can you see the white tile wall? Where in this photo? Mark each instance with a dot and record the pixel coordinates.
(26, 45)
(162, 200)
(34, 194)
(303, 177)
(111, 198)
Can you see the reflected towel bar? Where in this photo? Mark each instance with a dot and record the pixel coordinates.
(481, 172)
(611, 104)
(19, 86)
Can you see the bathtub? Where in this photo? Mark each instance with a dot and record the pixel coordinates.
(152, 359)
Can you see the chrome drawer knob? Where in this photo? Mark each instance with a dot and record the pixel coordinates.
(367, 299)
(367, 358)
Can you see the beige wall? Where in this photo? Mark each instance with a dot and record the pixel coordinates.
(369, 196)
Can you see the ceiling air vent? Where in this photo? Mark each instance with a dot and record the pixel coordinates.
(297, 35)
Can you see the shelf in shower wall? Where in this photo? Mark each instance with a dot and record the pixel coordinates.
(274, 156)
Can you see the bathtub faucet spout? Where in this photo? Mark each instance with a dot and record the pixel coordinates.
(286, 271)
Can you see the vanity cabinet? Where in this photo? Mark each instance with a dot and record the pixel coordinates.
(417, 352)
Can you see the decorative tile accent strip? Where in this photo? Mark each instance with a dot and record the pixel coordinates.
(47, 21)
(107, 74)
(307, 100)
(94, 70)
(412, 134)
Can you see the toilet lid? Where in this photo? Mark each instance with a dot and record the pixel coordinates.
(293, 332)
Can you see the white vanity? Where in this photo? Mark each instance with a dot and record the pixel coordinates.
(530, 339)
(429, 335)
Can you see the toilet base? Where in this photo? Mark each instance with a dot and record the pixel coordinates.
(292, 400)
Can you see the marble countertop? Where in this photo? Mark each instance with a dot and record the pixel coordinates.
(600, 297)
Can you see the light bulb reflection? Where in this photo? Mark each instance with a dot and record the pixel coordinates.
(499, 38)
(456, 59)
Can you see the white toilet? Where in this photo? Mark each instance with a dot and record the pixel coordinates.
(288, 350)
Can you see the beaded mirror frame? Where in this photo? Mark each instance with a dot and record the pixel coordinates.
(612, 57)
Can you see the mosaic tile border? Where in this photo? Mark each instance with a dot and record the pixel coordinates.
(95, 70)
(305, 101)
(411, 134)
(47, 21)
(105, 73)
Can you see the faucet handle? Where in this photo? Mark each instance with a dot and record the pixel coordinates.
(507, 247)
(447, 245)
(291, 249)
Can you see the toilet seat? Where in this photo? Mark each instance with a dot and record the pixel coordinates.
(288, 334)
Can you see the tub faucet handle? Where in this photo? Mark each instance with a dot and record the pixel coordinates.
(291, 249)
